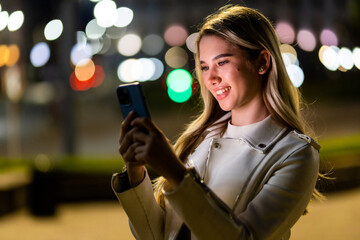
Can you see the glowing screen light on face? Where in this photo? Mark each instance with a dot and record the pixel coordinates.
(53, 30)
(285, 32)
(296, 74)
(306, 40)
(179, 82)
(16, 20)
(40, 54)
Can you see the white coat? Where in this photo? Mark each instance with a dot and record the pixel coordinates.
(252, 183)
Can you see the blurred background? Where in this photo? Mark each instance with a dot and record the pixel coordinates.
(60, 64)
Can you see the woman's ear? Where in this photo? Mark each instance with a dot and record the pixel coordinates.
(264, 61)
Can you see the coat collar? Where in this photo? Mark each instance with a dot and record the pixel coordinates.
(261, 135)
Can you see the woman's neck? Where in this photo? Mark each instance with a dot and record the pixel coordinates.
(252, 112)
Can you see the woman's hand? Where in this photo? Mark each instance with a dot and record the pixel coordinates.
(135, 169)
(146, 144)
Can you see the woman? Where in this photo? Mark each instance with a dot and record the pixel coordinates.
(244, 168)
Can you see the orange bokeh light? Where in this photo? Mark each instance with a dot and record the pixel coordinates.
(94, 81)
(85, 69)
(14, 55)
(4, 54)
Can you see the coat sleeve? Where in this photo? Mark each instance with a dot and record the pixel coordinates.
(269, 215)
(145, 215)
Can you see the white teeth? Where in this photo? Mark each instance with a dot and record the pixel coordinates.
(221, 91)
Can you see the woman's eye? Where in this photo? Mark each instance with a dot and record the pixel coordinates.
(222, 63)
(204, 68)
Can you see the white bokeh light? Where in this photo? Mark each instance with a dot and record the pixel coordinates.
(40, 54)
(4, 19)
(330, 58)
(93, 30)
(16, 20)
(356, 57)
(159, 69)
(53, 29)
(296, 74)
(148, 69)
(129, 45)
(346, 58)
(105, 13)
(128, 70)
(191, 42)
(124, 17)
(80, 52)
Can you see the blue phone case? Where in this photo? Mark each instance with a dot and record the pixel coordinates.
(131, 97)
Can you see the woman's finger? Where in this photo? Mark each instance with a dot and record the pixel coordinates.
(126, 124)
(127, 140)
(147, 124)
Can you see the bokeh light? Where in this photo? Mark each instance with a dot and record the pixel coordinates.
(84, 69)
(328, 37)
(79, 52)
(114, 32)
(129, 45)
(330, 57)
(147, 69)
(175, 35)
(14, 55)
(346, 58)
(153, 44)
(179, 80)
(13, 84)
(40, 54)
(127, 70)
(289, 54)
(106, 13)
(159, 69)
(99, 76)
(306, 40)
(296, 74)
(285, 32)
(4, 54)
(179, 97)
(16, 20)
(191, 42)
(356, 57)
(78, 85)
(143, 69)
(4, 19)
(176, 57)
(93, 30)
(53, 29)
(124, 17)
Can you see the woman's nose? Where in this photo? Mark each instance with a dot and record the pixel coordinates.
(214, 77)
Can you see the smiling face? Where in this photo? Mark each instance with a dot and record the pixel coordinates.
(231, 78)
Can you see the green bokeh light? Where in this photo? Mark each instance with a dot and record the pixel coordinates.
(179, 80)
(180, 97)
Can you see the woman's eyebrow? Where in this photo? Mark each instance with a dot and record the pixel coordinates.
(220, 56)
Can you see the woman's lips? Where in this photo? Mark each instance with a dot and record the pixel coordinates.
(222, 93)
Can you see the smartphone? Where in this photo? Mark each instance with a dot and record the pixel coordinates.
(131, 98)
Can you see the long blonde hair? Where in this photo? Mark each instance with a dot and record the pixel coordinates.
(250, 30)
